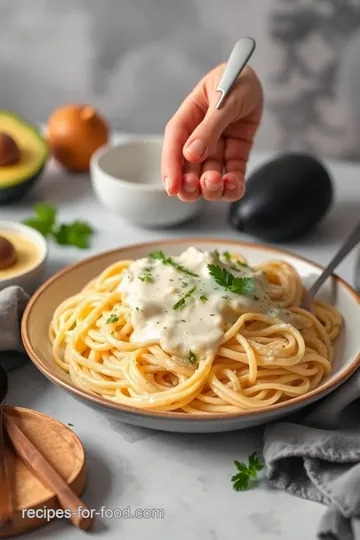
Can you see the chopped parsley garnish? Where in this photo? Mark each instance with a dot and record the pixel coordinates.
(203, 298)
(184, 284)
(72, 234)
(137, 309)
(180, 304)
(212, 314)
(146, 277)
(159, 255)
(227, 257)
(192, 358)
(246, 475)
(71, 425)
(237, 285)
(113, 318)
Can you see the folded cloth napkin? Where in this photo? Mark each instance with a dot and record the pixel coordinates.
(316, 455)
(12, 304)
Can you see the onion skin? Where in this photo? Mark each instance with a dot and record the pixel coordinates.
(74, 133)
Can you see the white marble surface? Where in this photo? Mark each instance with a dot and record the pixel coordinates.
(186, 475)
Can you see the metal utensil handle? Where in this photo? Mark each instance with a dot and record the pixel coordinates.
(239, 57)
(348, 245)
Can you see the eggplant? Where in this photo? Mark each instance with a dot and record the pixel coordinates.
(285, 199)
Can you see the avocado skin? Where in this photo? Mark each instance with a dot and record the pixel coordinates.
(17, 192)
(285, 199)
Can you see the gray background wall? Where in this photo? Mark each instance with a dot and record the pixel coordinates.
(137, 59)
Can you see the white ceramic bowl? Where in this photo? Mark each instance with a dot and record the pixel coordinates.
(31, 278)
(126, 178)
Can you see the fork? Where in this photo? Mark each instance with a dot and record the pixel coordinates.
(345, 249)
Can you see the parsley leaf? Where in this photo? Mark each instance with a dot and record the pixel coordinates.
(71, 425)
(231, 283)
(113, 318)
(44, 219)
(73, 234)
(76, 234)
(227, 256)
(246, 475)
(243, 285)
(180, 304)
(192, 358)
(159, 255)
(204, 298)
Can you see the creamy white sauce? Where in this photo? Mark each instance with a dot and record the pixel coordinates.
(152, 289)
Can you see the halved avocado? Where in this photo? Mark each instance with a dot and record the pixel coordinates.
(17, 179)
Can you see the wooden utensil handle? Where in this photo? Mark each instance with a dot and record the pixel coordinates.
(6, 506)
(80, 515)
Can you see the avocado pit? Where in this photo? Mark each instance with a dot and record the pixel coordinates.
(7, 253)
(9, 150)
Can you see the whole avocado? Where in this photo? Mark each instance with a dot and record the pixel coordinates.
(285, 199)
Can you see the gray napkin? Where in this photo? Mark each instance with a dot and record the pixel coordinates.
(12, 304)
(316, 455)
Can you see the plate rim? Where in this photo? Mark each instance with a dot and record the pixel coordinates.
(44, 368)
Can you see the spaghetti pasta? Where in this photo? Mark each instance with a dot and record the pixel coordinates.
(242, 344)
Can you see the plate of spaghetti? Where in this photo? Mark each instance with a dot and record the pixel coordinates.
(193, 335)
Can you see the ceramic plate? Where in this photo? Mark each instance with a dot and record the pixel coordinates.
(69, 281)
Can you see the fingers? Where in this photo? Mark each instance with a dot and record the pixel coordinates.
(236, 154)
(211, 180)
(234, 186)
(245, 101)
(190, 190)
(177, 131)
(194, 139)
(203, 141)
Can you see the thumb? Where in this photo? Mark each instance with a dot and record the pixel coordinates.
(203, 140)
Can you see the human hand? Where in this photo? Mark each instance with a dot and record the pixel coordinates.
(202, 142)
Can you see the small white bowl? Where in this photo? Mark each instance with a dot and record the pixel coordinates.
(126, 178)
(31, 278)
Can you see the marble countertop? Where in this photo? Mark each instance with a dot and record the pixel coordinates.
(187, 477)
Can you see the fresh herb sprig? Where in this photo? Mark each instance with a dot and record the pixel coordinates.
(159, 255)
(180, 304)
(73, 234)
(246, 476)
(224, 278)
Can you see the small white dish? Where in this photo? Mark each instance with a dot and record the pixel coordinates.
(126, 178)
(30, 278)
